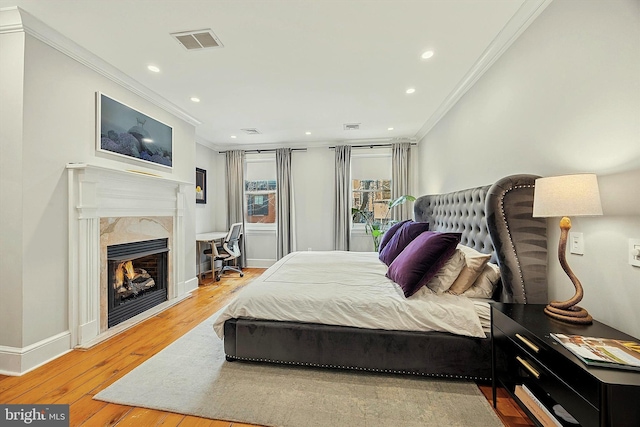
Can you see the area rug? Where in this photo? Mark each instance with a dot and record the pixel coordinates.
(191, 376)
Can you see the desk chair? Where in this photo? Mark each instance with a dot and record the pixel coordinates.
(229, 250)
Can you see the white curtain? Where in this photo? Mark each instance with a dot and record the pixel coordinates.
(400, 179)
(342, 206)
(235, 196)
(285, 216)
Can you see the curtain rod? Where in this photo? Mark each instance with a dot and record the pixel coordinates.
(371, 146)
(268, 150)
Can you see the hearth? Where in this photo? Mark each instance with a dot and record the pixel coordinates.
(137, 278)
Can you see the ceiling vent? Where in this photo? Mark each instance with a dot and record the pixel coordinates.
(352, 126)
(197, 40)
(251, 131)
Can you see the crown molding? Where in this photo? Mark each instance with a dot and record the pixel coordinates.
(15, 19)
(207, 143)
(520, 21)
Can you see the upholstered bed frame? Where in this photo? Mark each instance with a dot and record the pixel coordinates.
(493, 219)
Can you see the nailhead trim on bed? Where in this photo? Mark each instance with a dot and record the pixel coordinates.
(513, 248)
(356, 368)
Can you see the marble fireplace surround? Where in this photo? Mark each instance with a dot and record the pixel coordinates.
(115, 231)
(111, 206)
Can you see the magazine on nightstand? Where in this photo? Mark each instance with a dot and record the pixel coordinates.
(602, 352)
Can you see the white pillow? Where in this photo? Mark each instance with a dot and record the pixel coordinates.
(443, 279)
(474, 263)
(485, 284)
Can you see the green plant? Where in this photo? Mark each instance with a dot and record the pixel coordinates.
(378, 227)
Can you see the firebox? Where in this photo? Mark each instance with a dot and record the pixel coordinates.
(137, 278)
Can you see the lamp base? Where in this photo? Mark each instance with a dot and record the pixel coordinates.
(573, 314)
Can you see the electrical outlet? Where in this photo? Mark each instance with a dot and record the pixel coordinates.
(634, 252)
(576, 243)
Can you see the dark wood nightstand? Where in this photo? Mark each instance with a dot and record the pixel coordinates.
(524, 353)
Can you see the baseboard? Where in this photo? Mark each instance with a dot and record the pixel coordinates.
(204, 267)
(18, 361)
(191, 285)
(260, 263)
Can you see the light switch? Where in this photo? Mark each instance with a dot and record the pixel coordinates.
(576, 243)
(634, 252)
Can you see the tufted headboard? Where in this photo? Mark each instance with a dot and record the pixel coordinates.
(497, 219)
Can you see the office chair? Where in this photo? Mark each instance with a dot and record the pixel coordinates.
(230, 250)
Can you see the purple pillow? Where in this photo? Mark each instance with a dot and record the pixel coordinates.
(422, 259)
(400, 240)
(389, 234)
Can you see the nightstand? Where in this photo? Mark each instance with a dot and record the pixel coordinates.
(523, 352)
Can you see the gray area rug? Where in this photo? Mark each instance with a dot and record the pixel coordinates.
(192, 377)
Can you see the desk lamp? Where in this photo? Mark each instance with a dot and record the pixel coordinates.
(564, 196)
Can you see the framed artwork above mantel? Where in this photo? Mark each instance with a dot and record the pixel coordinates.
(126, 132)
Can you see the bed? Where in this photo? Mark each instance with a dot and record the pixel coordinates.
(493, 219)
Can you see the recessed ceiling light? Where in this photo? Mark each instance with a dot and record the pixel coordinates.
(389, 128)
(153, 68)
(428, 54)
(195, 99)
(233, 136)
(411, 90)
(307, 133)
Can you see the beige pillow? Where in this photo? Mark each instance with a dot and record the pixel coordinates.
(485, 284)
(474, 263)
(443, 279)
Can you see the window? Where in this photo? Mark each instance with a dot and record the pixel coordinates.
(261, 201)
(260, 189)
(371, 196)
(371, 183)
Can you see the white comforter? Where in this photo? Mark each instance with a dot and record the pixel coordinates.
(348, 289)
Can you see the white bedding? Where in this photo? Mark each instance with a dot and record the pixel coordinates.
(349, 289)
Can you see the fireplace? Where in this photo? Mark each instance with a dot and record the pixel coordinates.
(109, 207)
(137, 278)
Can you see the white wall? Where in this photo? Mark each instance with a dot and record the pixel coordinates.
(313, 172)
(205, 212)
(564, 98)
(58, 127)
(11, 93)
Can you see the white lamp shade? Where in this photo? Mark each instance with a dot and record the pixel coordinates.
(567, 195)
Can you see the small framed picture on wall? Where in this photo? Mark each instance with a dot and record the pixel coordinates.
(201, 185)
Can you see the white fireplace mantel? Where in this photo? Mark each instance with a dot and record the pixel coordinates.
(100, 192)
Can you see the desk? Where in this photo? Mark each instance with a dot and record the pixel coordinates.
(210, 237)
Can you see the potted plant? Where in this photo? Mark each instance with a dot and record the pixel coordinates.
(378, 227)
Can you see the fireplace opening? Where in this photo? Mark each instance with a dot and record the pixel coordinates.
(137, 278)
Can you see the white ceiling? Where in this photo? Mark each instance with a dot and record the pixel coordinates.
(290, 67)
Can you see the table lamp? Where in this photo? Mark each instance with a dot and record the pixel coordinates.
(564, 196)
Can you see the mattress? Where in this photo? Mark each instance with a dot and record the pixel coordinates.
(483, 310)
(350, 289)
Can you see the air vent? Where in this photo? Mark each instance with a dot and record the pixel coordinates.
(352, 126)
(200, 39)
(251, 131)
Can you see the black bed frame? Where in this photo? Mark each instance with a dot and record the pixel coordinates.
(495, 219)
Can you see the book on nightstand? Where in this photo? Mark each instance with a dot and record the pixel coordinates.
(536, 408)
(602, 352)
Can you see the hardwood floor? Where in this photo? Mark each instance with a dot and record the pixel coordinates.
(78, 375)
